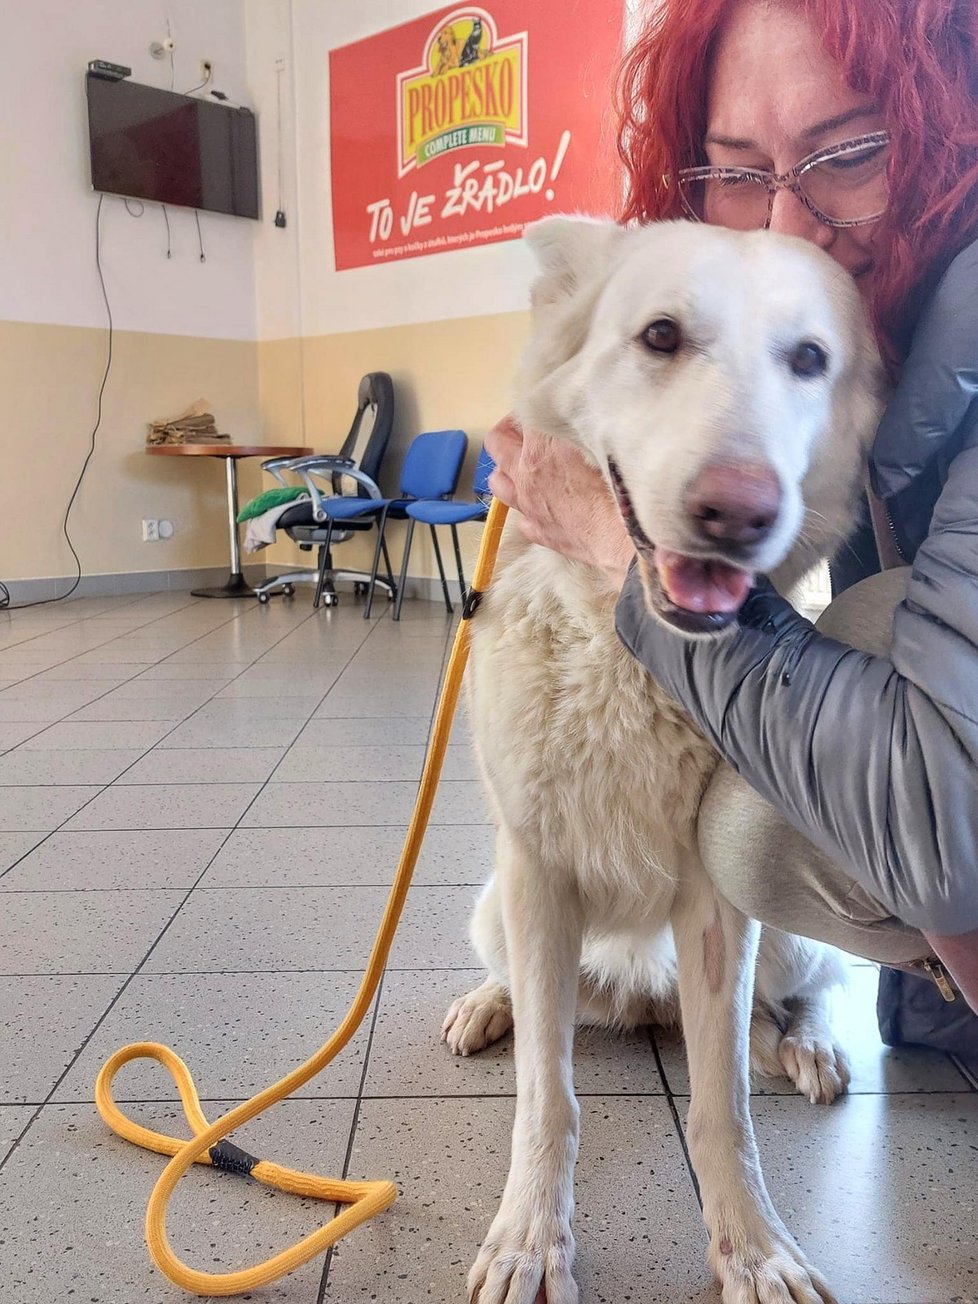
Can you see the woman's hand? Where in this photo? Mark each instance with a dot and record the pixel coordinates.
(563, 501)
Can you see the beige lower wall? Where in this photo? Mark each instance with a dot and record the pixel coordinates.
(49, 379)
(447, 374)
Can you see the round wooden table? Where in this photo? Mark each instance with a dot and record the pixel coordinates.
(236, 586)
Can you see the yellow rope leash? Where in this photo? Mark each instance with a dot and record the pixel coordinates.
(362, 1199)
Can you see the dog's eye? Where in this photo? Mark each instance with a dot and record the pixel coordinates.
(662, 336)
(808, 359)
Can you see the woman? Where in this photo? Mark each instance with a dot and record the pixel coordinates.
(873, 759)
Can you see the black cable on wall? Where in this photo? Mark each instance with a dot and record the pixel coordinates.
(41, 602)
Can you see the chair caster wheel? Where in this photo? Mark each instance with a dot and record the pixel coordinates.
(330, 600)
(263, 599)
(288, 590)
(391, 596)
(359, 589)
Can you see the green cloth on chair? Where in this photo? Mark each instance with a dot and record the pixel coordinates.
(269, 499)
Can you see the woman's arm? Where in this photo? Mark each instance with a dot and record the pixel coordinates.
(875, 761)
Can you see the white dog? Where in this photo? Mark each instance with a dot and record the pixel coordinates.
(728, 386)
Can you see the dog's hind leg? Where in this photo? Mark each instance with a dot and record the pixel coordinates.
(751, 1251)
(480, 1017)
(529, 1250)
(791, 1032)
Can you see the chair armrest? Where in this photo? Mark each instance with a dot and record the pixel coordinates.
(317, 461)
(321, 464)
(327, 467)
(276, 465)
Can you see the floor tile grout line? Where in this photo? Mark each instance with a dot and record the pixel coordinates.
(360, 827)
(227, 887)
(610, 1094)
(677, 1123)
(105, 787)
(328, 1263)
(960, 1068)
(207, 783)
(970, 1076)
(183, 828)
(313, 614)
(186, 606)
(349, 660)
(199, 973)
(190, 973)
(102, 1017)
(133, 600)
(130, 679)
(351, 1139)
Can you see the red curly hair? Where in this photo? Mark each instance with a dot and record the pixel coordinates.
(917, 58)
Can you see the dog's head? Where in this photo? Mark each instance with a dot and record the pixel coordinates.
(727, 384)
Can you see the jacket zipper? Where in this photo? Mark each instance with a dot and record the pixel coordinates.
(893, 533)
(936, 971)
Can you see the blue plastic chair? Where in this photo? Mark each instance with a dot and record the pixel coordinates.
(433, 512)
(431, 469)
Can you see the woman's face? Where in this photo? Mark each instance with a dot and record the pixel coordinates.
(777, 97)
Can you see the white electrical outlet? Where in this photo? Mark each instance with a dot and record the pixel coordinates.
(151, 531)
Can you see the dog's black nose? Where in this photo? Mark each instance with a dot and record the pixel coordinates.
(734, 502)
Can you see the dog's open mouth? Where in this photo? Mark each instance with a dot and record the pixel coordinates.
(697, 595)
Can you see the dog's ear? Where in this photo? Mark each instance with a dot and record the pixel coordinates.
(569, 251)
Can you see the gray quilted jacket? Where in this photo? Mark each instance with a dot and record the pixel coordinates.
(875, 761)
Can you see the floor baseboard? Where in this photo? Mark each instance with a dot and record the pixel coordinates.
(177, 581)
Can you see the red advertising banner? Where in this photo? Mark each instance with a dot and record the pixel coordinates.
(459, 128)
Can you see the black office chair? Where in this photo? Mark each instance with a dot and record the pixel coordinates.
(358, 461)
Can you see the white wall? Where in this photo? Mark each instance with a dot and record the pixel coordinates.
(324, 301)
(269, 43)
(184, 329)
(47, 208)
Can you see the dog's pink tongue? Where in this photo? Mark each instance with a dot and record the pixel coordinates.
(702, 585)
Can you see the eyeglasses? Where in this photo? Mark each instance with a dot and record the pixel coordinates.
(844, 185)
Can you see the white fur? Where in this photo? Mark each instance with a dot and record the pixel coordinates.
(599, 903)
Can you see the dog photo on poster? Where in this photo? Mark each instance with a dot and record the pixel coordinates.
(461, 127)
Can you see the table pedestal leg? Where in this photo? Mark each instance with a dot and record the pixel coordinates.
(237, 586)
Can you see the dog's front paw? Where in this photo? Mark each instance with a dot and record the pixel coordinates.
(815, 1064)
(525, 1259)
(479, 1018)
(769, 1269)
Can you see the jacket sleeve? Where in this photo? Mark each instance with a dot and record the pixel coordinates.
(874, 761)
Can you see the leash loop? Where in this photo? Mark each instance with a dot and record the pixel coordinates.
(209, 1145)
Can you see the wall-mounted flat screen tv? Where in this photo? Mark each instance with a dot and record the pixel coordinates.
(156, 145)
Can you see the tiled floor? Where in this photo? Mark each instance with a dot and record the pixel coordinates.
(201, 805)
